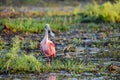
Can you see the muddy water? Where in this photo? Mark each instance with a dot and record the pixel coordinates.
(60, 76)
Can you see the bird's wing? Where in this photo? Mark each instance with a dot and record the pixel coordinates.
(52, 48)
(48, 49)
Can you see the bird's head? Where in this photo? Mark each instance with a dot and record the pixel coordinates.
(47, 28)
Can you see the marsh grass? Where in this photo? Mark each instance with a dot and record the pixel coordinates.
(57, 23)
(15, 61)
(70, 65)
(36, 25)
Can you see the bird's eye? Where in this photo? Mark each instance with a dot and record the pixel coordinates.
(48, 31)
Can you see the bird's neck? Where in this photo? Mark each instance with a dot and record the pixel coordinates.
(46, 36)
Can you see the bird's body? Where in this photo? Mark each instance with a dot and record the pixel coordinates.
(47, 46)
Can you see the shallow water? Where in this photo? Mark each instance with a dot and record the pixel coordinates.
(60, 76)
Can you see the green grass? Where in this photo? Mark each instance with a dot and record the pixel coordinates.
(57, 23)
(70, 65)
(37, 25)
(16, 61)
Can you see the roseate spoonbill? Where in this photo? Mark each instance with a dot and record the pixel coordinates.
(47, 46)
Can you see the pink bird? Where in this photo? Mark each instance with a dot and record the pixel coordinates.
(47, 46)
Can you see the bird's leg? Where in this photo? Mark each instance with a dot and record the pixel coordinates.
(52, 60)
(48, 61)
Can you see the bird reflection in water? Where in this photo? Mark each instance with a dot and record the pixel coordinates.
(51, 77)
